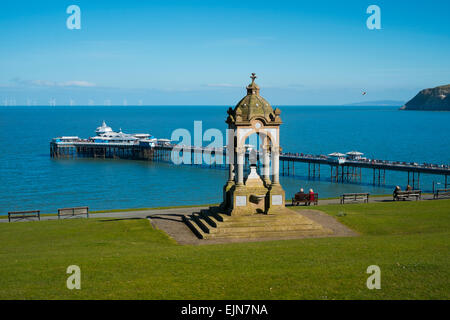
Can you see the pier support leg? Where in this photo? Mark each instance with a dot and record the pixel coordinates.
(309, 170)
(418, 180)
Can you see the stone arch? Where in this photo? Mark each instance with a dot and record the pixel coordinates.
(261, 131)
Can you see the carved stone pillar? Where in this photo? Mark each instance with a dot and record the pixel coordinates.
(276, 165)
(266, 165)
(240, 151)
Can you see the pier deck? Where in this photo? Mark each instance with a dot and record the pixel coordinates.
(348, 171)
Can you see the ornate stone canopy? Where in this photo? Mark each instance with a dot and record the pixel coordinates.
(253, 203)
(253, 106)
(253, 193)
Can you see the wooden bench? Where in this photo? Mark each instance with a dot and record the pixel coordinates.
(72, 212)
(304, 198)
(441, 193)
(403, 195)
(355, 197)
(24, 215)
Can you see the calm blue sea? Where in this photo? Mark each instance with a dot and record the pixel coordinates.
(30, 179)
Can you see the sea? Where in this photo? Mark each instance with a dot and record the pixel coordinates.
(31, 179)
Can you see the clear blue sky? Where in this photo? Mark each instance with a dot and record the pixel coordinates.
(202, 52)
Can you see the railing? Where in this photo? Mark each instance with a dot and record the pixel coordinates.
(283, 156)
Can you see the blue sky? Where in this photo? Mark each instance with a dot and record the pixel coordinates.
(202, 52)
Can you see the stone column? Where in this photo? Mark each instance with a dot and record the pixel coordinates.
(276, 165)
(231, 155)
(240, 165)
(266, 164)
(231, 168)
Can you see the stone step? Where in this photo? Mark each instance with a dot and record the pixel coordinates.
(201, 222)
(193, 226)
(264, 223)
(267, 234)
(262, 219)
(263, 228)
(213, 224)
(225, 217)
(210, 218)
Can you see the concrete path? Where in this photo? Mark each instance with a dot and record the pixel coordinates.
(371, 199)
(143, 214)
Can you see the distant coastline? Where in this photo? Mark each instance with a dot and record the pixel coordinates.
(432, 99)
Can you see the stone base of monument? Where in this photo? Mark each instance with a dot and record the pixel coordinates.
(212, 223)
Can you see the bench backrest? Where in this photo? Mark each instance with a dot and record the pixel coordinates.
(73, 211)
(24, 214)
(29, 212)
(303, 196)
(444, 191)
(409, 192)
(353, 195)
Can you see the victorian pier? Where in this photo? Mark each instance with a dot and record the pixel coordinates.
(337, 167)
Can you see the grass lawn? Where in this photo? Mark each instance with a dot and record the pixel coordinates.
(127, 259)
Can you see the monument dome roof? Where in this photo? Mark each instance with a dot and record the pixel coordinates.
(253, 106)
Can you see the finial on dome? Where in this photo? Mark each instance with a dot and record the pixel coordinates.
(253, 88)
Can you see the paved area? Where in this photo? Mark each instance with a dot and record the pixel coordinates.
(178, 230)
(141, 214)
(371, 199)
(187, 210)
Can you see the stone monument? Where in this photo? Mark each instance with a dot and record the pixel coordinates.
(254, 205)
(254, 193)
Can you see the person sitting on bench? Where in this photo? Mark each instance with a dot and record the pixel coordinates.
(408, 188)
(396, 191)
(311, 196)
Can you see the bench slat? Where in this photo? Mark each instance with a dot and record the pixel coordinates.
(406, 194)
(304, 198)
(355, 197)
(75, 211)
(24, 214)
(441, 193)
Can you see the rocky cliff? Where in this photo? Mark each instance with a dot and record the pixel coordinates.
(435, 99)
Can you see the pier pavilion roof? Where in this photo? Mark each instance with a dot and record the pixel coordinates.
(253, 106)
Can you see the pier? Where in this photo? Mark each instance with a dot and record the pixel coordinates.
(347, 170)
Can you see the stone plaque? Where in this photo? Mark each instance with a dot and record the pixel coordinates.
(241, 201)
(277, 200)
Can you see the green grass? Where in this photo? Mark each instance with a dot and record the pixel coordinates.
(127, 259)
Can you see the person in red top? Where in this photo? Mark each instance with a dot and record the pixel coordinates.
(311, 196)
